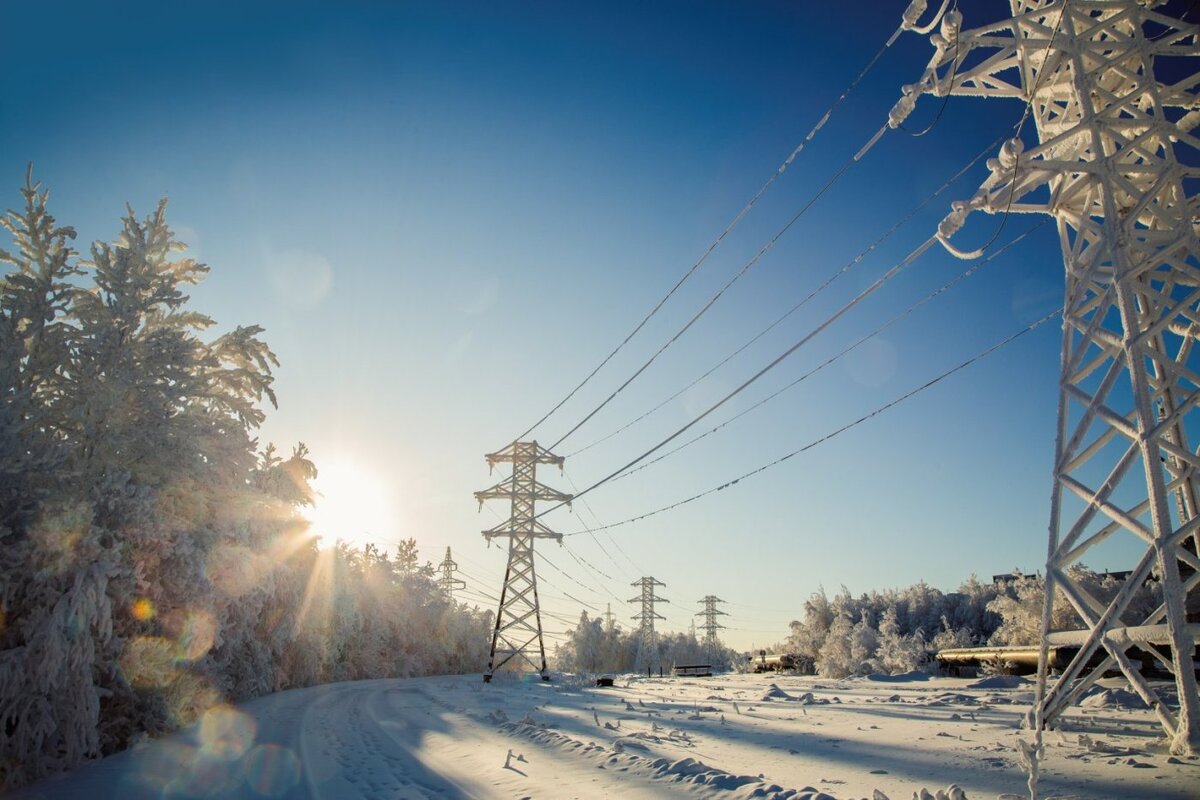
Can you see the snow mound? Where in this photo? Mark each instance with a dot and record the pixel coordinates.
(999, 682)
(775, 693)
(951, 792)
(904, 677)
(951, 698)
(806, 699)
(808, 793)
(1113, 698)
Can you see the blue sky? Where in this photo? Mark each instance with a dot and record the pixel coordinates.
(445, 214)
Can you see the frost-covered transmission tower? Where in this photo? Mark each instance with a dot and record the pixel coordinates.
(448, 582)
(1114, 102)
(710, 614)
(519, 617)
(647, 642)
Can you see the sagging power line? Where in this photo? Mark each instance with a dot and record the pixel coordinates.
(909, 22)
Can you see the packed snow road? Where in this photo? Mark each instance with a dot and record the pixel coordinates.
(733, 736)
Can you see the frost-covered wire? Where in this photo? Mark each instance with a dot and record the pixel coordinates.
(614, 542)
(762, 251)
(928, 384)
(578, 582)
(858, 343)
(820, 288)
(879, 282)
(787, 162)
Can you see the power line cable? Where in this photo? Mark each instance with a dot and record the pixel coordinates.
(638, 570)
(845, 351)
(766, 248)
(576, 580)
(787, 162)
(566, 574)
(583, 562)
(820, 288)
(596, 520)
(887, 276)
(982, 354)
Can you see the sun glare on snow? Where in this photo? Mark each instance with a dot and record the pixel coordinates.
(353, 504)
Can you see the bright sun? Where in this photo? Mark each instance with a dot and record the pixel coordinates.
(353, 505)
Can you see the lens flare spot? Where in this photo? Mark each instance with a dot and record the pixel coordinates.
(271, 770)
(197, 635)
(142, 609)
(157, 767)
(226, 734)
(189, 697)
(148, 662)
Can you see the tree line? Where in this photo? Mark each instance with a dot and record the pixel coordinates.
(899, 630)
(891, 632)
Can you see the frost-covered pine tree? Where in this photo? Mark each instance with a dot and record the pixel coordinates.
(897, 652)
(864, 641)
(835, 659)
(808, 636)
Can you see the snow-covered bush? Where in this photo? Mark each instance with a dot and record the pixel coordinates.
(1020, 607)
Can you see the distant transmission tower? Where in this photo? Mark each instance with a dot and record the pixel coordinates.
(1116, 156)
(648, 643)
(608, 616)
(710, 614)
(519, 618)
(448, 582)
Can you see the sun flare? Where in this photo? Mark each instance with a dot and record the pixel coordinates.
(352, 504)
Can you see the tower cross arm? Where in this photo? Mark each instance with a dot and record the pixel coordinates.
(540, 491)
(510, 528)
(525, 452)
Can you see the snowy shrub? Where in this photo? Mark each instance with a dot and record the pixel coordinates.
(1020, 607)
(836, 660)
(898, 653)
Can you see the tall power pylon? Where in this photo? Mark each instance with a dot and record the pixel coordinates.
(448, 582)
(647, 642)
(710, 614)
(519, 617)
(1115, 159)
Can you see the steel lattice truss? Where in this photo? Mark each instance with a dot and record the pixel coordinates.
(448, 582)
(647, 615)
(1116, 166)
(519, 618)
(710, 614)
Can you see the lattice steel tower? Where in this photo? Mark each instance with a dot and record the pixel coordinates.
(519, 617)
(647, 642)
(710, 614)
(448, 582)
(1115, 165)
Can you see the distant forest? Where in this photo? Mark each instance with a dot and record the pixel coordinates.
(889, 632)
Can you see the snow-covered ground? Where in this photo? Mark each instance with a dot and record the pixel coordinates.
(728, 736)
